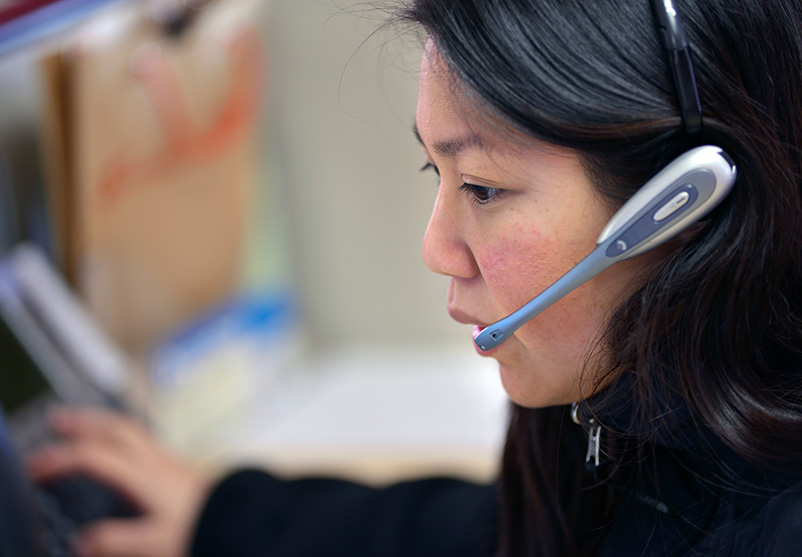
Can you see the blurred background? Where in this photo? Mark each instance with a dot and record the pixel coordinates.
(232, 190)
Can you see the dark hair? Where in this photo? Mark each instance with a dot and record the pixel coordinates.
(716, 324)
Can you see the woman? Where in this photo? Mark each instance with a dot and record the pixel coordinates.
(541, 118)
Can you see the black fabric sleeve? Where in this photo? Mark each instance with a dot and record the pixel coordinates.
(251, 513)
(782, 525)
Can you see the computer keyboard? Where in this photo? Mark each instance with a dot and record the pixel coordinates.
(58, 529)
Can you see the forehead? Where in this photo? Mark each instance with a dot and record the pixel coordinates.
(452, 124)
(449, 120)
(437, 91)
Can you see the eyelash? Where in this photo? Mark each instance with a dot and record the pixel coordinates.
(481, 195)
(430, 166)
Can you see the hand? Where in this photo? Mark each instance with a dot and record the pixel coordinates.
(122, 454)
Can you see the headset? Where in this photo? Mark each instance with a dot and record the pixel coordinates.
(679, 195)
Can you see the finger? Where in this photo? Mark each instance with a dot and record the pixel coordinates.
(100, 424)
(111, 467)
(117, 538)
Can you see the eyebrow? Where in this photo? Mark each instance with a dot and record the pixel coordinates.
(452, 147)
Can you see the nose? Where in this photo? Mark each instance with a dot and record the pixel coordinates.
(445, 250)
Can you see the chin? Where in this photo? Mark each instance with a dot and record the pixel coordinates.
(525, 390)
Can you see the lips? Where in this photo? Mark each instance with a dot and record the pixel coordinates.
(477, 330)
(465, 318)
(478, 326)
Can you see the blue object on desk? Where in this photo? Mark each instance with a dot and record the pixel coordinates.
(266, 320)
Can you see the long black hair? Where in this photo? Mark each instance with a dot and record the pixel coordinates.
(717, 323)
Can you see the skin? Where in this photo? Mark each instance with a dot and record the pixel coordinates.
(502, 246)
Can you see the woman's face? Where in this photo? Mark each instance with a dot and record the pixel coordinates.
(509, 220)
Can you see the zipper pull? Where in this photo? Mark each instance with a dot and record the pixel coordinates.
(593, 456)
(594, 442)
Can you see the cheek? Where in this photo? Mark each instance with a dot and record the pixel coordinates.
(524, 263)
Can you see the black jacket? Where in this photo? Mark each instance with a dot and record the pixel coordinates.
(251, 514)
(685, 503)
(689, 496)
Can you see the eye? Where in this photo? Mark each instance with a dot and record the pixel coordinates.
(430, 166)
(480, 195)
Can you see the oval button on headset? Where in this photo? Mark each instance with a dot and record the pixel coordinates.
(672, 206)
